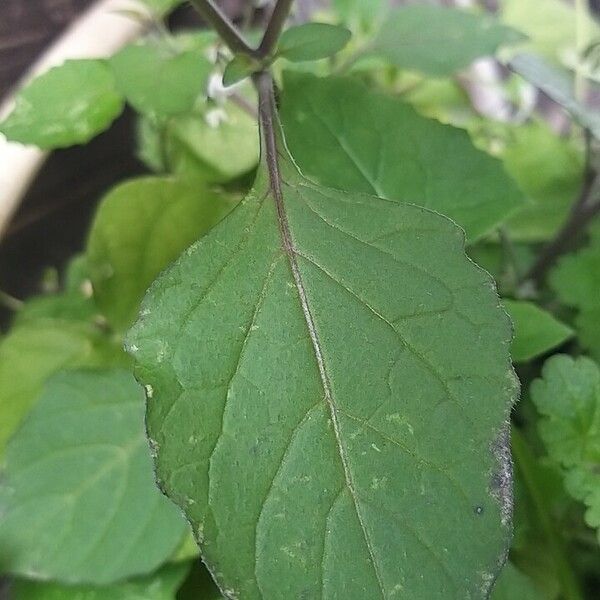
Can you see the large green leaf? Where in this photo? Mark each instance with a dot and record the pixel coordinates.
(78, 499)
(32, 352)
(536, 331)
(439, 40)
(568, 396)
(162, 585)
(68, 105)
(158, 79)
(329, 383)
(344, 136)
(140, 227)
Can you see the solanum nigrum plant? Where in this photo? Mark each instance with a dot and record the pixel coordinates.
(326, 370)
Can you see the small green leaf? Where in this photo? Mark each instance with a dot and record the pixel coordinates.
(140, 227)
(568, 397)
(159, 80)
(536, 331)
(66, 106)
(576, 282)
(514, 585)
(78, 498)
(217, 145)
(32, 352)
(439, 40)
(560, 87)
(312, 41)
(331, 382)
(162, 585)
(238, 68)
(346, 137)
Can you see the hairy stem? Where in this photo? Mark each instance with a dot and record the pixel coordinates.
(585, 208)
(525, 464)
(223, 26)
(275, 27)
(267, 111)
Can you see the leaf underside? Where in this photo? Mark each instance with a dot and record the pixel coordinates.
(328, 385)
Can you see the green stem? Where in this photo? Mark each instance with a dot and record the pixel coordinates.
(525, 464)
(224, 27)
(343, 67)
(274, 28)
(585, 208)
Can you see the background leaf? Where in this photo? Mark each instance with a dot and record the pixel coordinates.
(158, 79)
(216, 144)
(576, 283)
(559, 86)
(536, 331)
(312, 41)
(140, 227)
(552, 32)
(549, 170)
(439, 40)
(66, 106)
(162, 585)
(343, 136)
(513, 585)
(322, 415)
(35, 350)
(568, 396)
(162, 7)
(78, 498)
(73, 303)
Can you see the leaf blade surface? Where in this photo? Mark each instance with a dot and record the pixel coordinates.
(298, 390)
(344, 136)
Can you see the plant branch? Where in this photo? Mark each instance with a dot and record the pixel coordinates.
(248, 107)
(223, 26)
(274, 28)
(585, 208)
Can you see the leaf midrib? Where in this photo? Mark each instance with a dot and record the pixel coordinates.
(276, 182)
